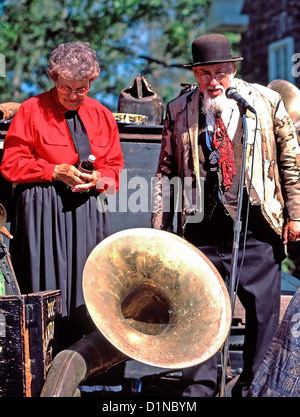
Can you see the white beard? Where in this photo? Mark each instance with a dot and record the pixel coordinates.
(214, 105)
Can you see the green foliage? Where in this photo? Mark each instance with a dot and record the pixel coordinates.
(130, 37)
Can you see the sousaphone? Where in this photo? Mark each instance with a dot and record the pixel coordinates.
(3, 216)
(155, 298)
(291, 97)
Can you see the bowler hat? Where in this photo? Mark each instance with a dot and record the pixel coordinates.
(211, 49)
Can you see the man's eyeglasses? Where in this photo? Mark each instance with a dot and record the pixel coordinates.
(206, 78)
(66, 91)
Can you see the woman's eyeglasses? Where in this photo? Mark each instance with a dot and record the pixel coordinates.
(66, 91)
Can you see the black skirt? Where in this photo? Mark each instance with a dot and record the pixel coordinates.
(54, 232)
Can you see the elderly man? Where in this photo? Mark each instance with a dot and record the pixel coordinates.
(203, 141)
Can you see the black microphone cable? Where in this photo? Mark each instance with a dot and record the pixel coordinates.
(248, 209)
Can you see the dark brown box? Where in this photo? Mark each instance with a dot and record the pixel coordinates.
(26, 341)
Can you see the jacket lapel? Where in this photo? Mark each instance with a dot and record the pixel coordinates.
(193, 118)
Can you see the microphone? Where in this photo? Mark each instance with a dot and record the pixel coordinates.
(231, 92)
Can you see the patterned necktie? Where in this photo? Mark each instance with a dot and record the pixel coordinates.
(222, 147)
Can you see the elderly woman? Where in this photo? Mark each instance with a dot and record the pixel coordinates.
(61, 214)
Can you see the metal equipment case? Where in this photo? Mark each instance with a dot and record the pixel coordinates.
(26, 341)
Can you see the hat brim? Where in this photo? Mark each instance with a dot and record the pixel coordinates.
(200, 64)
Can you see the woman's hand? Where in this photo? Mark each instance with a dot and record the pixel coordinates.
(68, 174)
(90, 181)
(78, 181)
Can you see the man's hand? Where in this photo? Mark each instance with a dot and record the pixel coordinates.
(291, 232)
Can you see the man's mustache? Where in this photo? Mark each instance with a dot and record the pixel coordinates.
(218, 87)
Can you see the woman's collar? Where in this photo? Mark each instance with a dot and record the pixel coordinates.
(61, 109)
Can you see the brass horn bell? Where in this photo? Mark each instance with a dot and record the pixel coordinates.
(156, 298)
(291, 97)
(3, 216)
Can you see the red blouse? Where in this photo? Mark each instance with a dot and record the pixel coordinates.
(38, 139)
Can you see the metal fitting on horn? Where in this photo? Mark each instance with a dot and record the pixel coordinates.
(89, 356)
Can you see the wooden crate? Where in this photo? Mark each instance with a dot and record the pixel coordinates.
(26, 341)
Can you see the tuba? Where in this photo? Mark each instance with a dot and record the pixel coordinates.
(155, 298)
(291, 97)
(3, 216)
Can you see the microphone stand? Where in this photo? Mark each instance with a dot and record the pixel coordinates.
(235, 251)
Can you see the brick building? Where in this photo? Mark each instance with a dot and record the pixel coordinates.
(269, 36)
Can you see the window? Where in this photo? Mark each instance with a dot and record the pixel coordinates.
(281, 62)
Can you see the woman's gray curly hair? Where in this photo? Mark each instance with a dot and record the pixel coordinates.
(74, 61)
